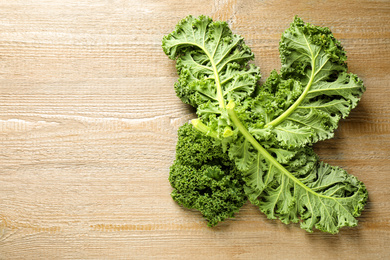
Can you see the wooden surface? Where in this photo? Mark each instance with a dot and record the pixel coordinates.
(88, 120)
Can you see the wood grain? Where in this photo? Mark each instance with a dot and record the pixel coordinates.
(88, 121)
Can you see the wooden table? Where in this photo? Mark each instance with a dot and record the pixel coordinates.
(88, 121)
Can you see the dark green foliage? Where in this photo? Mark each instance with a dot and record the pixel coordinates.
(267, 130)
(204, 178)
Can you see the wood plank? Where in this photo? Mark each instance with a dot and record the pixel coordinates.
(88, 121)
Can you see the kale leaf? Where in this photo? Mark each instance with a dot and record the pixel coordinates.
(204, 178)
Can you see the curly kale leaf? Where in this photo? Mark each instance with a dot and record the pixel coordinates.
(204, 178)
(293, 185)
(212, 62)
(313, 66)
(306, 190)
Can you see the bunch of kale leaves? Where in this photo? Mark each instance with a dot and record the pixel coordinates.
(254, 142)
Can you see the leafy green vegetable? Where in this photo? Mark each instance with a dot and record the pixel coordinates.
(267, 130)
(204, 178)
(314, 62)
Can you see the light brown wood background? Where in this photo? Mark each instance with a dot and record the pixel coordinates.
(88, 121)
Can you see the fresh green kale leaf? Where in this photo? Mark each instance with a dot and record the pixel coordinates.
(306, 190)
(313, 65)
(293, 185)
(212, 62)
(204, 178)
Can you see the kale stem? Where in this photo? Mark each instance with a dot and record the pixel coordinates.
(203, 128)
(292, 108)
